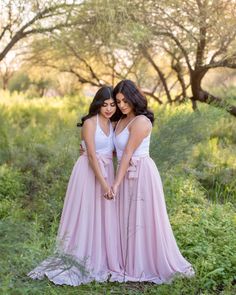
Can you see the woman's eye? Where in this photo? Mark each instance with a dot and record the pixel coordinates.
(104, 105)
(113, 105)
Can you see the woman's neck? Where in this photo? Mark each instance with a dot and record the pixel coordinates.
(103, 119)
(130, 116)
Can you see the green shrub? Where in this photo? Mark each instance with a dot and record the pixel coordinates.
(12, 192)
(5, 153)
(11, 185)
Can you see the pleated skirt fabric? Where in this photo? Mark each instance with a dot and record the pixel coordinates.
(149, 251)
(87, 241)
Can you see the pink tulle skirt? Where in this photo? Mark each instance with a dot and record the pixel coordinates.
(87, 247)
(148, 248)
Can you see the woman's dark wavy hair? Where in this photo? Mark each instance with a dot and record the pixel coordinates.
(104, 93)
(134, 97)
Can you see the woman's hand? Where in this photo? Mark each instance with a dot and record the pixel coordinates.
(108, 193)
(81, 150)
(114, 190)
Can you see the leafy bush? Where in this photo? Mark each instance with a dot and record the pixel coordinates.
(199, 144)
(19, 82)
(11, 185)
(205, 232)
(12, 191)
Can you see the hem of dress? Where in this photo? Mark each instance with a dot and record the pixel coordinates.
(109, 276)
(123, 278)
(61, 272)
(57, 280)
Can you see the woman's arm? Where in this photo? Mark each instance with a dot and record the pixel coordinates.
(139, 129)
(88, 133)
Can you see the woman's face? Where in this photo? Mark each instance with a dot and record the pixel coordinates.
(108, 108)
(123, 104)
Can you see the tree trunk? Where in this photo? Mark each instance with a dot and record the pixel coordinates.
(203, 96)
(5, 81)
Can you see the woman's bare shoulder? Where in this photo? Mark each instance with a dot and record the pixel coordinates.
(141, 123)
(90, 121)
(89, 124)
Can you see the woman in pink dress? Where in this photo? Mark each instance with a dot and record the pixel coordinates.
(148, 248)
(87, 236)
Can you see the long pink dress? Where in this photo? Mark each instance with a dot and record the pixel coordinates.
(148, 248)
(87, 237)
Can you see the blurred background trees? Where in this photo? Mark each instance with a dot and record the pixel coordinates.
(172, 49)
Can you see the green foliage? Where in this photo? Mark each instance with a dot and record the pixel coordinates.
(4, 142)
(195, 153)
(20, 82)
(11, 185)
(228, 93)
(12, 190)
(205, 232)
(201, 144)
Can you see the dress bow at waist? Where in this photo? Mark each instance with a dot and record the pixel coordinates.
(104, 161)
(133, 169)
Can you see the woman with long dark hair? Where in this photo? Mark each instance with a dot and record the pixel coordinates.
(148, 248)
(87, 236)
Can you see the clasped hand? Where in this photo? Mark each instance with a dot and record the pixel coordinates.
(111, 193)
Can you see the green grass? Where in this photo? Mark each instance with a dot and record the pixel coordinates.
(195, 154)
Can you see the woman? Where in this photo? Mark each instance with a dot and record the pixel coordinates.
(87, 244)
(148, 248)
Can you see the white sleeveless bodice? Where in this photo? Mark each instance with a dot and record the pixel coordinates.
(121, 140)
(103, 144)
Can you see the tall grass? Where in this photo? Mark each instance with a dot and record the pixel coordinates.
(195, 153)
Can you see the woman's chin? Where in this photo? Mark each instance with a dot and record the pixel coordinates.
(107, 116)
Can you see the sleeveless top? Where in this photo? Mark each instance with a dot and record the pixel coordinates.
(103, 143)
(121, 140)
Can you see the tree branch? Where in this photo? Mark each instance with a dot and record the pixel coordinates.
(221, 64)
(151, 94)
(21, 33)
(178, 24)
(4, 31)
(210, 99)
(88, 66)
(202, 32)
(178, 43)
(161, 75)
(223, 47)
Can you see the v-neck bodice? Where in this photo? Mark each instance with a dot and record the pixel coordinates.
(121, 139)
(103, 143)
(101, 130)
